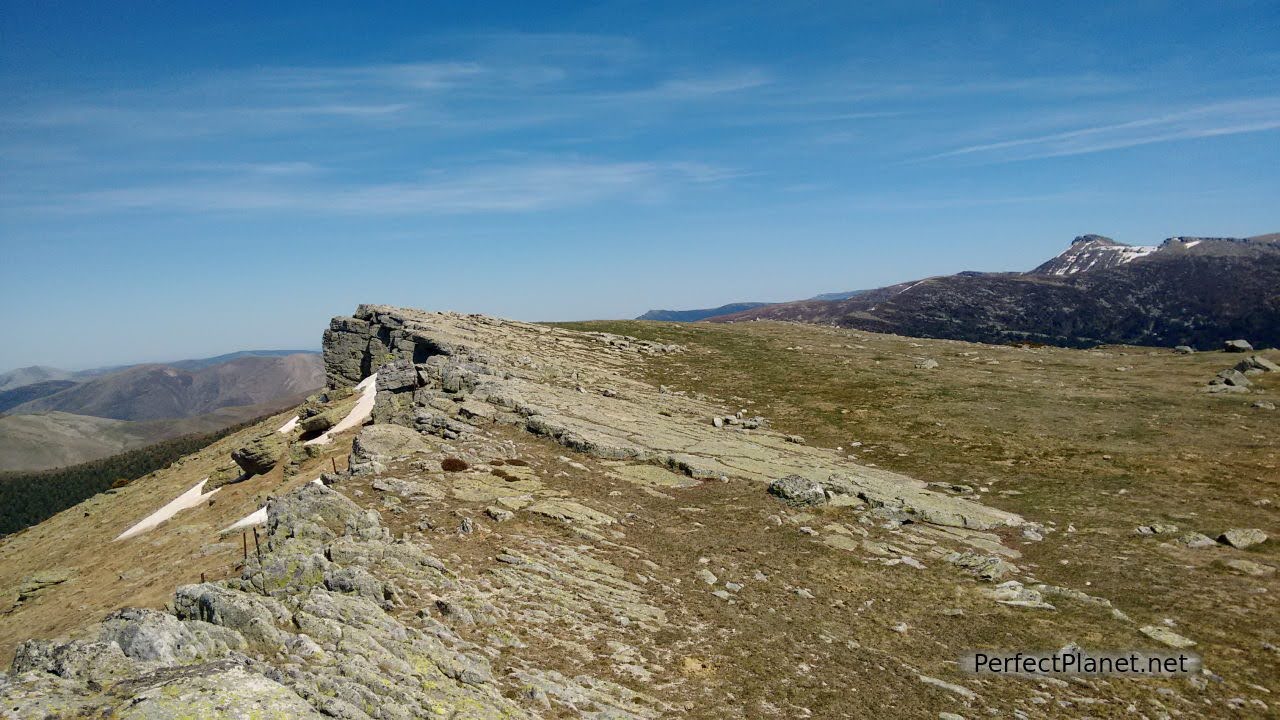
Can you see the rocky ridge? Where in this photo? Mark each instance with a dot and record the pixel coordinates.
(492, 551)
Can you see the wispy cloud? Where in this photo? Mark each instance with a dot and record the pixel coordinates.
(1212, 120)
(499, 188)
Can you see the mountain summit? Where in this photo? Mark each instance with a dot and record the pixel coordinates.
(1196, 291)
(1092, 252)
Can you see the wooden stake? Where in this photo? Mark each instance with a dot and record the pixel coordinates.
(258, 548)
(335, 464)
(244, 535)
(202, 580)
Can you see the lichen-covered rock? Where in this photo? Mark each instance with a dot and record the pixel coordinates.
(318, 513)
(255, 618)
(261, 454)
(1242, 537)
(386, 442)
(154, 636)
(35, 583)
(89, 662)
(798, 491)
(218, 690)
(1237, 346)
(318, 422)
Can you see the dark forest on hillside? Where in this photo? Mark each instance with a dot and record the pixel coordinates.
(30, 497)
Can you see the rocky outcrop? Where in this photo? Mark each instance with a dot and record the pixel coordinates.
(442, 373)
(308, 632)
(261, 454)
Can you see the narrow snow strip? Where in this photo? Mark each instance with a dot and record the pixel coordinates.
(188, 499)
(363, 409)
(257, 517)
(289, 426)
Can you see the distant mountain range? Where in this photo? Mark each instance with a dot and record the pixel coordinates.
(31, 375)
(731, 308)
(696, 315)
(55, 417)
(1194, 291)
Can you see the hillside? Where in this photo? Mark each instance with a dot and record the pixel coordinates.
(198, 363)
(1187, 291)
(10, 399)
(38, 441)
(587, 521)
(696, 315)
(46, 440)
(103, 412)
(20, 377)
(154, 392)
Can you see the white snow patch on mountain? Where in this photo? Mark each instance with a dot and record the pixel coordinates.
(1086, 258)
(361, 412)
(188, 499)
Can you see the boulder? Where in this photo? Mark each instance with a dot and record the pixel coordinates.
(35, 584)
(798, 491)
(1256, 364)
(1184, 350)
(1237, 346)
(261, 454)
(927, 364)
(315, 511)
(1195, 540)
(1248, 567)
(987, 567)
(318, 422)
(155, 636)
(90, 662)
(255, 618)
(387, 442)
(1218, 387)
(1235, 378)
(1242, 537)
(1166, 636)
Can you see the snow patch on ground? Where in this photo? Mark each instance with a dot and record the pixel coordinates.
(363, 409)
(188, 499)
(257, 517)
(289, 426)
(1084, 260)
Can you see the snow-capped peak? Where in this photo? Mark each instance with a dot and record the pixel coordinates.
(1093, 252)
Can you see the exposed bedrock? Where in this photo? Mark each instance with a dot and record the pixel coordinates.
(442, 373)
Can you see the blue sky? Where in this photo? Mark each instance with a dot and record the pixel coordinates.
(183, 179)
